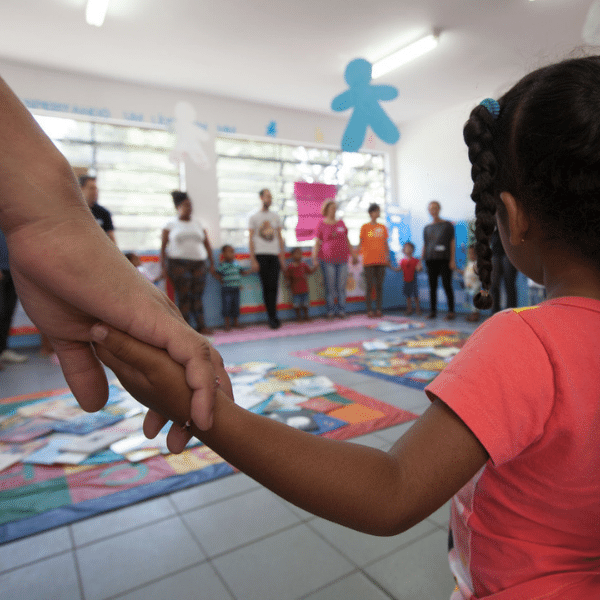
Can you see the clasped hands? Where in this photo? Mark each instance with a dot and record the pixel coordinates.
(153, 378)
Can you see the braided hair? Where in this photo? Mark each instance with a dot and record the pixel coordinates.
(544, 148)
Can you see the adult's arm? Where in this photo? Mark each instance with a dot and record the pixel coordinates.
(351, 248)
(208, 247)
(316, 249)
(69, 274)
(453, 251)
(281, 249)
(253, 262)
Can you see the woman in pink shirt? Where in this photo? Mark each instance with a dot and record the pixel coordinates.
(332, 250)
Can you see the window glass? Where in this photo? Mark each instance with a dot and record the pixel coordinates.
(244, 167)
(135, 176)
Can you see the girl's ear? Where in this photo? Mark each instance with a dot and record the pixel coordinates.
(518, 221)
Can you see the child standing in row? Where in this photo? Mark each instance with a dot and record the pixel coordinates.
(512, 431)
(229, 274)
(409, 266)
(375, 252)
(295, 274)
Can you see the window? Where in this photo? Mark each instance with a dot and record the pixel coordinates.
(246, 166)
(135, 176)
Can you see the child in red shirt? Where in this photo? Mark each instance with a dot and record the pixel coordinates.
(295, 274)
(408, 265)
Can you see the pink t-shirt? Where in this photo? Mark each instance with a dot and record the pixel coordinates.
(527, 384)
(334, 238)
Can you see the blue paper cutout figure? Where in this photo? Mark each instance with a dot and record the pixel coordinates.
(272, 129)
(364, 98)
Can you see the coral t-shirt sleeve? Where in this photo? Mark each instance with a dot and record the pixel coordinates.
(501, 386)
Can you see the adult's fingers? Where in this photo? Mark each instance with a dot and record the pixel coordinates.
(177, 439)
(153, 423)
(195, 354)
(83, 373)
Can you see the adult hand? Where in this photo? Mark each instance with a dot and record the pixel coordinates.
(69, 275)
(254, 266)
(154, 379)
(452, 264)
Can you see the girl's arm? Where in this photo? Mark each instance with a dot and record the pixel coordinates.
(381, 493)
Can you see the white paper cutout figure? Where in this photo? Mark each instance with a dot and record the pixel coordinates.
(591, 28)
(189, 137)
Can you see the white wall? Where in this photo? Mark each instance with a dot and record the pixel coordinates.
(433, 165)
(73, 93)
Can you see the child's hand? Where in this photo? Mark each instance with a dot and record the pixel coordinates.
(154, 379)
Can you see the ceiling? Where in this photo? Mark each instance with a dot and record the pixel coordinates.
(293, 53)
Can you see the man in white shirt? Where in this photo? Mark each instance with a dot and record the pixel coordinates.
(267, 253)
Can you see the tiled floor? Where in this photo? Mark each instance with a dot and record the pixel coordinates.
(230, 539)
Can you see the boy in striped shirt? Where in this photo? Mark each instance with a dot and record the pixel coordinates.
(229, 273)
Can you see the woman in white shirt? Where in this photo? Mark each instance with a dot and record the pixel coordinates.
(184, 252)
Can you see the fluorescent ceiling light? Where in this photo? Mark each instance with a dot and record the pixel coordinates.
(404, 55)
(96, 11)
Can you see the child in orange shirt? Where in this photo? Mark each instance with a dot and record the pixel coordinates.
(375, 252)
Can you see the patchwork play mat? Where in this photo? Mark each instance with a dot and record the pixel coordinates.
(260, 331)
(412, 361)
(59, 464)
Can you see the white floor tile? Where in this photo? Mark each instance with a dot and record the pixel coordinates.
(120, 521)
(54, 578)
(417, 572)
(441, 516)
(362, 548)
(285, 566)
(29, 549)
(353, 587)
(239, 520)
(199, 582)
(123, 562)
(207, 493)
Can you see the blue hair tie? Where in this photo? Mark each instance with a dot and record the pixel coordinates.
(491, 106)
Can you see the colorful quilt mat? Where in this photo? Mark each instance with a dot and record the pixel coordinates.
(413, 361)
(59, 464)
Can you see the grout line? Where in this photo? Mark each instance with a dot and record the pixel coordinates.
(35, 562)
(76, 561)
(153, 581)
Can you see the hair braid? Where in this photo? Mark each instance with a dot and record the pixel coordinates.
(478, 137)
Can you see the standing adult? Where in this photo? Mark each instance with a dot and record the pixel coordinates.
(69, 275)
(439, 248)
(375, 254)
(8, 302)
(332, 249)
(89, 189)
(184, 253)
(502, 271)
(267, 253)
